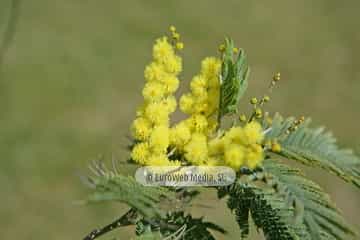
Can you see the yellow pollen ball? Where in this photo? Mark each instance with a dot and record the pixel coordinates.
(186, 103)
(254, 100)
(179, 45)
(234, 156)
(154, 72)
(162, 50)
(180, 135)
(276, 147)
(176, 36)
(196, 151)
(266, 98)
(253, 132)
(158, 160)
(141, 128)
(172, 28)
(169, 104)
(237, 135)
(173, 65)
(197, 123)
(171, 83)
(254, 156)
(221, 47)
(140, 153)
(159, 139)
(216, 146)
(242, 118)
(156, 113)
(198, 82)
(210, 67)
(153, 91)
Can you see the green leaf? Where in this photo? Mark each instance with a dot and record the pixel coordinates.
(234, 79)
(110, 186)
(268, 211)
(321, 218)
(315, 147)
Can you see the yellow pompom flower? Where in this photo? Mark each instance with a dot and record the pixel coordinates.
(140, 153)
(253, 132)
(156, 113)
(198, 82)
(172, 28)
(212, 161)
(196, 151)
(153, 91)
(201, 94)
(159, 139)
(180, 135)
(141, 129)
(158, 160)
(197, 123)
(236, 135)
(254, 156)
(173, 65)
(216, 146)
(234, 156)
(275, 147)
(162, 50)
(210, 67)
(187, 103)
(170, 83)
(169, 104)
(154, 72)
(179, 45)
(201, 106)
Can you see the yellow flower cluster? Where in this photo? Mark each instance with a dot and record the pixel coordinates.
(239, 146)
(204, 96)
(201, 104)
(151, 127)
(191, 139)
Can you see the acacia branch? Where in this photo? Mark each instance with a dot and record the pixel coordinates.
(127, 219)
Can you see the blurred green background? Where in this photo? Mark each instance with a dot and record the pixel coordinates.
(73, 73)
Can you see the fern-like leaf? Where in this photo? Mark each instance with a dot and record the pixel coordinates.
(234, 79)
(321, 218)
(315, 147)
(110, 186)
(268, 211)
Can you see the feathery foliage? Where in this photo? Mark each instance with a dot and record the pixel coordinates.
(109, 186)
(267, 209)
(315, 147)
(234, 78)
(321, 218)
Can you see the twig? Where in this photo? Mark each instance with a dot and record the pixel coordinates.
(127, 219)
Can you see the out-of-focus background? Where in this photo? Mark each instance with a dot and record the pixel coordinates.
(71, 77)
